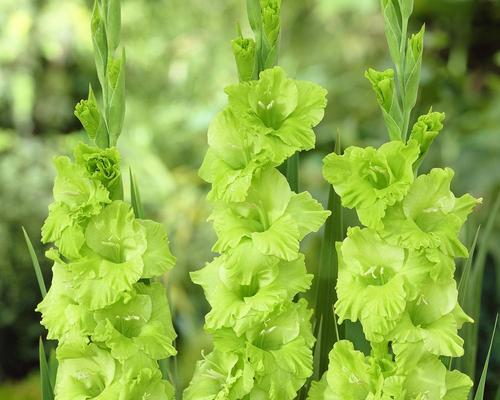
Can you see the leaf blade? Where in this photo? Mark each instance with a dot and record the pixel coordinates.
(482, 381)
(36, 264)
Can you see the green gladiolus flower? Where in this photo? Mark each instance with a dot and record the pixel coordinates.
(77, 197)
(244, 54)
(221, 375)
(102, 165)
(426, 129)
(273, 217)
(242, 297)
(140, 322)
(430, 216)
(370, 180)
(351, 376)
(281, 111)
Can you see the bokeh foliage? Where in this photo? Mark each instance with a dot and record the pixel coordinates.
(178, 59)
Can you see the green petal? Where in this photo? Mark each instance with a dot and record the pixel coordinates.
(228, 184)
(99, 282)
(74, 187)
(60, 312)
(115, 235)
(86, 372)
(280, 240)
(320, 390)
(239, 303)
(307, 213)
(157, 258)
(280, 351)
(430, 215)
(458, 386)
(138, 322)
(350, 374)
(220, 375)
(102, 165)
(71, 241)
(427, 378)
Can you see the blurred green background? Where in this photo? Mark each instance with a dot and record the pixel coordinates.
(178, 62)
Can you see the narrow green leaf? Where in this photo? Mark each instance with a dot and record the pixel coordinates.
(36, 264)
(413, 65)
(135, 197)
(53, 366)
(163, 363)
(113, 24)
(464, 278)
(326, 331)
(254, 17)
(392, 27)
(482, 381)
(47, 389)
(292, 172)
(271, 57)
(100, 42)
(472, 298)
(117, 101)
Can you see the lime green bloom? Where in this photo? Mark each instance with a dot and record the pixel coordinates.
(426, 129)
(87, 371)
(221, 375)
(273, 217)
(279, 350)
(280, 110)
(102, 165)
(350, 376)
(265, 122)
(62, 315)
(371, 283)
(244, 294)
(77, 197)
(430, 216)
(244, 54)
(369, 179)
(233, 158)
(139, 322)
(433, 319)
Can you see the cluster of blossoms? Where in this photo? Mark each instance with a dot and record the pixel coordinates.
(110, 317)
(262, 337)
(396, 274)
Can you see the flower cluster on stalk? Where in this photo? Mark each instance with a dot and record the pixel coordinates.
(110, 317)
(262, 337)
(396, 274)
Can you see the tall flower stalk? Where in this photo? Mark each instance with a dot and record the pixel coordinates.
(105, 306)
(396, 271)
(262, 337)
